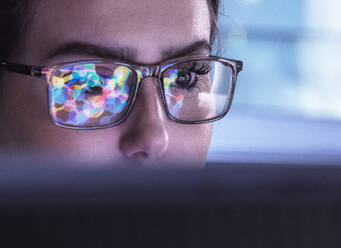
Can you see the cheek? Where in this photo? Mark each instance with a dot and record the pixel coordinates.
(96, 146)
(25, 122)
(191, 142)
(23, 104)
(24, 111)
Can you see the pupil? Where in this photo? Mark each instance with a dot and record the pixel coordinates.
(184, 78)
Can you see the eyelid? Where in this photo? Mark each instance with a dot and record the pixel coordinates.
(195, 66)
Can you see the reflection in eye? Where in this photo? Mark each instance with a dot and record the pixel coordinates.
(185, 79)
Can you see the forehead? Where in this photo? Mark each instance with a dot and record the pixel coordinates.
(149, 26)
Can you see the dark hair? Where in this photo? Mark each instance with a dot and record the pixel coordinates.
(213, 6)
(14, 18)
(16, 15)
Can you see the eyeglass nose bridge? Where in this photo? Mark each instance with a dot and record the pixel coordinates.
(143, 72)
(147, 71)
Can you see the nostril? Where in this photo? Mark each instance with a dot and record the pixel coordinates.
(146, 145)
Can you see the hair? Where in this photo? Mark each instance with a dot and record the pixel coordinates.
(213, 6)
(15, 17)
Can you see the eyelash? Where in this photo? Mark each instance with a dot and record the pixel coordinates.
(197, 86)
(204, 69)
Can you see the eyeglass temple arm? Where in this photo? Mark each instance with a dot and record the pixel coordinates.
(35, 71)
(239, 66)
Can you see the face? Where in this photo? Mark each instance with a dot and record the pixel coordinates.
(140, 32)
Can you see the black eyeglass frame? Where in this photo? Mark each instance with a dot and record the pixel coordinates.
(157, 70)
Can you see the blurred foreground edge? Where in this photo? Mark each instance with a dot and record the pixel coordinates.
(218, 185)
(220, 206)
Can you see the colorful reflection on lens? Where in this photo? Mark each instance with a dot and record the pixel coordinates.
(174, 99)
(90, 94)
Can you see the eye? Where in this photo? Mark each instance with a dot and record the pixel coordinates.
(185, 78)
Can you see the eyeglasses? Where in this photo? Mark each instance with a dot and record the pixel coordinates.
(97, 94)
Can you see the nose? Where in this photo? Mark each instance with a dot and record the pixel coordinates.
(145, 136)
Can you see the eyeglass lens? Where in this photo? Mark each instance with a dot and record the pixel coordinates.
(198, 90)
(93, 94)
(99, 94)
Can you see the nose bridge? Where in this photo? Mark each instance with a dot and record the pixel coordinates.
(146, 139)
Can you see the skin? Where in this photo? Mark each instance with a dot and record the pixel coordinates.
(148, 28)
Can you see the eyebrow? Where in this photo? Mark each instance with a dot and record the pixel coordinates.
(80, 48)
(176, 52)
(124, 52)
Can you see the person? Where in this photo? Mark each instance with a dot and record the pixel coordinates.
(99, 107)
